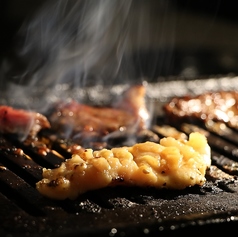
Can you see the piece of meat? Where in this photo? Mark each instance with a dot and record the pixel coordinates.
(172, 164)
(219, 106)
(21, 122)
(82, 122)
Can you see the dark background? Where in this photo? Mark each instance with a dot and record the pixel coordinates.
(205, 43)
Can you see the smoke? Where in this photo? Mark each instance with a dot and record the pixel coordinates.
(72, 44)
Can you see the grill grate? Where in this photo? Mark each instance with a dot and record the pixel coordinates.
(117, 209)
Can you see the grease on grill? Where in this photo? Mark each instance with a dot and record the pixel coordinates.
(228, 165)
(218, 174)
(169, 131)
(2, 167)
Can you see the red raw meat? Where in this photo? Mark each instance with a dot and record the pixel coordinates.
(21, 122)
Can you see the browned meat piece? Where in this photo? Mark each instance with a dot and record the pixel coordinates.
(80, 121)
(216, 106)
(21, 122)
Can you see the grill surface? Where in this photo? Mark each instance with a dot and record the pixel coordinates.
(119, 211)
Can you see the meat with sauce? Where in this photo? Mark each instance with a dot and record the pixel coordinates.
(219, 106)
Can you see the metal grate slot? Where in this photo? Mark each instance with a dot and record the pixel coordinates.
(39, 152)
(21, 193)
(21, 164)
(222, 130)
(226, 164)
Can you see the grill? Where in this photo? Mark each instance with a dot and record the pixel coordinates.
(201, 45)
(121, 211)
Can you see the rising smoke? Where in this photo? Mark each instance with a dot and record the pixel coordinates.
(76, 44)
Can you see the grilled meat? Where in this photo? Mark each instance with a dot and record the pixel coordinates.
(21, 122)
(172, 164)
(84, 122)
(216, 106)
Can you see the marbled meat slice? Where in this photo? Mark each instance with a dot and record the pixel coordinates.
(80, 121)
(172, 164)
(221, 106)
(21, 122)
